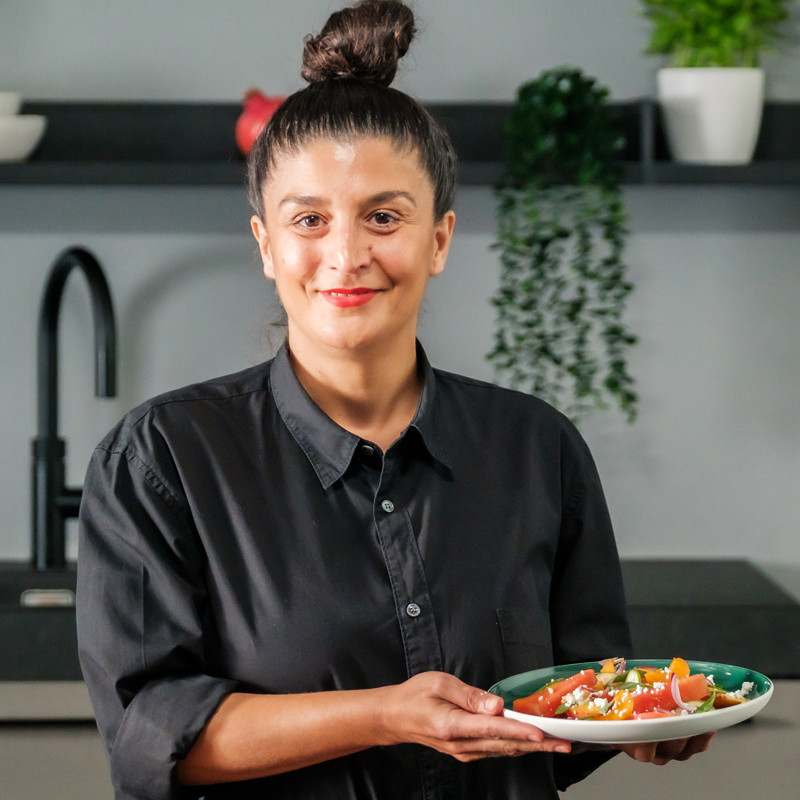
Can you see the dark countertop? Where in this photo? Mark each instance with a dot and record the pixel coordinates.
(726, 611)
(39, 643)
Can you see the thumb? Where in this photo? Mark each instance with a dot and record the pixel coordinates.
(470, 698)
(485, 703)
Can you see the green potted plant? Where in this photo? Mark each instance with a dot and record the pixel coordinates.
(712, 94)
(560, 332)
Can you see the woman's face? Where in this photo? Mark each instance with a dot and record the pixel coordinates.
(349, 238)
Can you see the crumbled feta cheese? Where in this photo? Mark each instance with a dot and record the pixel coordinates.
(575, 698)
(747, 687)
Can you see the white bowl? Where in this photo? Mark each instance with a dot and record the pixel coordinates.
(10, 103)
(19, 135)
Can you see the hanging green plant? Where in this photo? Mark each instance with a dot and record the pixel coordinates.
(560, 332)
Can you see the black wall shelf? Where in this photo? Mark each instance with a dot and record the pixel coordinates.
(192, 144)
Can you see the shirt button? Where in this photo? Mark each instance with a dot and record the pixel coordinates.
(413, 610)
(367, 450)
(387, 506)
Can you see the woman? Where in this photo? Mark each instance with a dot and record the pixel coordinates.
(297, 581)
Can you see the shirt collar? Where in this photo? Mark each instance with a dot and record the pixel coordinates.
(329, 447)
(428, 419)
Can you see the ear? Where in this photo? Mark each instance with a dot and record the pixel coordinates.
(262, 237)
(442, 236)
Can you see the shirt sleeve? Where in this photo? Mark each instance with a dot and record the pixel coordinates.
(587, 604)
(141, 610)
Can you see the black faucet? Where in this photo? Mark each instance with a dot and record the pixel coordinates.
(53, 502)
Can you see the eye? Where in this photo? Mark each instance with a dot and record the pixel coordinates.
(308, 221)
(384, 219)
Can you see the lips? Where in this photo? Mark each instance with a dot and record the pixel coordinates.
(348, 298)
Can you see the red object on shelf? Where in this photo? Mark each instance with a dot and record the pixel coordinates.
(258, 110)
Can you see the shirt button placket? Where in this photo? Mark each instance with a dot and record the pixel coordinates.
(421, 642)
(404, 562)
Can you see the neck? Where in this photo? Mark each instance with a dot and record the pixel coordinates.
(371, 395)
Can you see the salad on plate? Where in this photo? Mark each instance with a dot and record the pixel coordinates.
(646, 700)
(620, 692)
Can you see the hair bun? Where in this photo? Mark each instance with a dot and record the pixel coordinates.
(365, 41)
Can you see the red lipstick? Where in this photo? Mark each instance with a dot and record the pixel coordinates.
(349, 298)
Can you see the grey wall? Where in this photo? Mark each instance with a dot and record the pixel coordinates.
(713, 464)
(185, 49)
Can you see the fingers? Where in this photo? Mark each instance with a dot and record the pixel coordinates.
(471, 736)
(644, 751)
(498, 731)
(697, 744)
(483, 720)
(442, 712)
(474, 749)
(664, 752)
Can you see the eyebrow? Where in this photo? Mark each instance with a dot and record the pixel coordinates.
(383, 197)
(313, 200)
(300, 200)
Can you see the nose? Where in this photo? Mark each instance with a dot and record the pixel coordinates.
(347, 247)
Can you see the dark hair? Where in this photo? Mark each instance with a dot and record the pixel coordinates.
(349, 66)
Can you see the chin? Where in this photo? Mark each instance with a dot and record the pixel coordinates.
(357, 341)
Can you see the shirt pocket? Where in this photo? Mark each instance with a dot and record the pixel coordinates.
(527, 642)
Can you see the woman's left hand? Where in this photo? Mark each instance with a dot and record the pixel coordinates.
(664, 752)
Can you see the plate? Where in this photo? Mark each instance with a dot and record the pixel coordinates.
(660, 729)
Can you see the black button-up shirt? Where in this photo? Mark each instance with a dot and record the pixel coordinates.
(234, 538)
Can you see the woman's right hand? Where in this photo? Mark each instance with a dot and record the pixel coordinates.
(253, 735)
(440, 711)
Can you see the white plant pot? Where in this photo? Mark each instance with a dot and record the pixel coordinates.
(712, 115)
